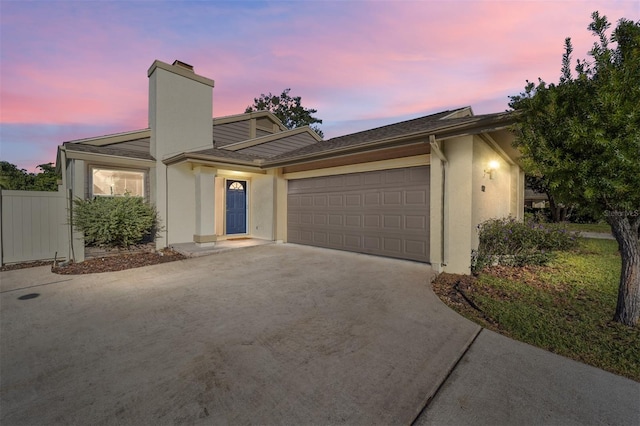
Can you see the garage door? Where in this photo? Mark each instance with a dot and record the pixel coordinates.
(384, 212)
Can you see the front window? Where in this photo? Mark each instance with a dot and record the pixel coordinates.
(110, 182)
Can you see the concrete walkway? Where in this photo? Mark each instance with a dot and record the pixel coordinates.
(194, 250)
(597, 235)
(276, 334)
(500, 381)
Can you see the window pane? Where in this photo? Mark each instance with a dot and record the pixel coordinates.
(117, 182)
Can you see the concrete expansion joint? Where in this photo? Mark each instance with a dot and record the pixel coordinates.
(449, 373)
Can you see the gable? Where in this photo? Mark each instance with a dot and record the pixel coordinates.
(280, 146)
(230, 133)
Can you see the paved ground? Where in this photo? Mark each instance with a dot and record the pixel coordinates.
(276, 334)
(500, 381)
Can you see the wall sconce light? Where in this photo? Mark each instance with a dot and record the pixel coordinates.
(491, 169)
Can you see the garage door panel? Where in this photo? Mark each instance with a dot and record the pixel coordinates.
(393, 222)
(415, 222)
(393, 245)
(305, 218)
(415, 197)
(335, 220)
(372, 199)
(383, 212)
(320, 219)
(353, 221)
(373, 179)
(353, 200)
(372, 243)
(335, 201)
(372, 221)
(416, 248)
(352, 242)
(392, 198)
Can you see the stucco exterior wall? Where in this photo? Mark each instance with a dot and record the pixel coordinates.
(180, 119)
(494, 200)
(436, 213)
(458, 208)
(180, 214)
(219, 205)
(180, 113)
(261, 207)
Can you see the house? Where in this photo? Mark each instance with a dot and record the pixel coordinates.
(413, 190)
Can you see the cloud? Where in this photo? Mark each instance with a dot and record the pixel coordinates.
(73, 68)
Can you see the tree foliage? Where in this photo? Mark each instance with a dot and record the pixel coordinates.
(13, 178)
(288, 109)
(582, 136)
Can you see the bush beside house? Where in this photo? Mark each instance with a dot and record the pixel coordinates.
(508, 241)
(115, 221)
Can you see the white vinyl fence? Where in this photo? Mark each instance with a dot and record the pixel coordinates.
(34, 226)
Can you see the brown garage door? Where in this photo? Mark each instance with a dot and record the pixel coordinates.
(384, 212)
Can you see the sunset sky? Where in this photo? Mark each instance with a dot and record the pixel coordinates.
(76, 69)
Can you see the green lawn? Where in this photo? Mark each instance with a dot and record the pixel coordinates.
(565, 307)
(589, 227)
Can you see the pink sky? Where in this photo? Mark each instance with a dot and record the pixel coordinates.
(73, 69)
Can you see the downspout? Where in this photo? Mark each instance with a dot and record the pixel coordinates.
(436, 149)
(68, 194)
(166, 206)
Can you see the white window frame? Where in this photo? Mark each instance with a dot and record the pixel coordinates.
(93, 169)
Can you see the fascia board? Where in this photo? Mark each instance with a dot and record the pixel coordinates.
(248, 116)
(214, 161)
(115, 138)
(112, 159)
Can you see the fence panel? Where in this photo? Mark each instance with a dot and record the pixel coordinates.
(34, 226)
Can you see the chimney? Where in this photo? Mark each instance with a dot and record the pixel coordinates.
(184, 65)
(180, 109)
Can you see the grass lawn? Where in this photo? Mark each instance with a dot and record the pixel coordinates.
(589, 227)
(565, 307)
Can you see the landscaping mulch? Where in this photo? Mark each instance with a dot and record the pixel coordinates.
(118, 263)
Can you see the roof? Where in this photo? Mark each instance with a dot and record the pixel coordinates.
(437, 124)
(300, 144)
(120, 149)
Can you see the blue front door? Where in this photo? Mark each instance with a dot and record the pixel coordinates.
(236, 207)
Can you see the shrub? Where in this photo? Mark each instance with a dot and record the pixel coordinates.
(515, 243)
(115, 221)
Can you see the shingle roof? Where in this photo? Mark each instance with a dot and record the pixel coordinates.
(436, 124)
(108, 150)
(416, 126)
(225, 153)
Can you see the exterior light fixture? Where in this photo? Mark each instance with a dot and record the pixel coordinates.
(491, 169)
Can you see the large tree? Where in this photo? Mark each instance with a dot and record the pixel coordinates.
(583, 136)
(288, 109)
(11, 177)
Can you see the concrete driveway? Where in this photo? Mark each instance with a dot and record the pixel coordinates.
(277, 334)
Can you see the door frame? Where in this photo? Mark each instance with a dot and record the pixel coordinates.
(246, 205)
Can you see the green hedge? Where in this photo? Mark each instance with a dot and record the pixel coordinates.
(115, 221)
(511, 242)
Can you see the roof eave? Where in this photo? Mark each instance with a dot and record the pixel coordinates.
(214, 161)
(444, 132)
(83, 155)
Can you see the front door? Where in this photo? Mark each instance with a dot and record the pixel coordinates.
(236, 207)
